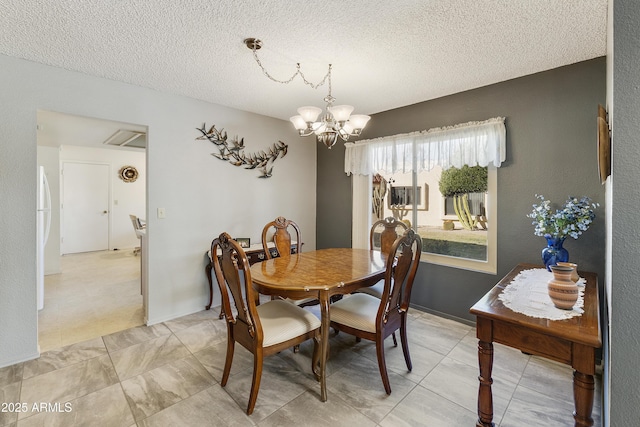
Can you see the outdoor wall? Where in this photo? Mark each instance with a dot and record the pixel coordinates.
(202, 196)
(551, 150)
(431, 210)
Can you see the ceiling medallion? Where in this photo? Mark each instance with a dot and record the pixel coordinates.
(128, 173)
(233, 151)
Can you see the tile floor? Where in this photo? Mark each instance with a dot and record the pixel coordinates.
(168, 374)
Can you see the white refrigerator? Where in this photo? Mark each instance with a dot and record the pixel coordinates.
(44, 226)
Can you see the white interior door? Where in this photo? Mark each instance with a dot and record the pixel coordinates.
(85, 207)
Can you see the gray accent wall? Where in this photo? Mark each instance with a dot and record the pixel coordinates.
(625, 217)
(551, 150)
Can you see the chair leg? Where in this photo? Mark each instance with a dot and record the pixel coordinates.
(315, 358)
(229, 359)
(382, 365)
(255, 383)
(395, 341)
(405, 342)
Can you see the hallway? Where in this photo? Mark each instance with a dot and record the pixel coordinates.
(98, 293)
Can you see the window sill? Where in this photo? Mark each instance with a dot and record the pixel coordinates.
(487, 267)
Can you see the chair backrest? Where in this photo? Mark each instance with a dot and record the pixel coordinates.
(137, 225)
(402, 264)
(232, 272)
(281, 236)
(387, 230)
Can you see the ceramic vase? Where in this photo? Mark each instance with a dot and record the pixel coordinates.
(574, 274)
(562, 290)
(554, 252)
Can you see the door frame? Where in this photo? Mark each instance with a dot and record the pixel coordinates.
(144, 268)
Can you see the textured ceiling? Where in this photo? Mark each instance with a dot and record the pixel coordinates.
(385, 54)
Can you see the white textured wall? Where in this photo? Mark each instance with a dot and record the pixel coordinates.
(203, 196)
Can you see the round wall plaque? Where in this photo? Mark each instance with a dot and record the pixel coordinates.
(128, 173)
(604, 145)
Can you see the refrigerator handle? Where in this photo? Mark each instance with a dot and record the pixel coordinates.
(47, 206)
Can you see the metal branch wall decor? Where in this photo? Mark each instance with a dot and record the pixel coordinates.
(233, 151)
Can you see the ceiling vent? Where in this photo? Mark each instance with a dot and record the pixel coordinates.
(127, 138)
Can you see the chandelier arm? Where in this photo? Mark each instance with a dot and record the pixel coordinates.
(343, 134)
(306, 132)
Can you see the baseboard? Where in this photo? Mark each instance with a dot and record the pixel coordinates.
(444, 315)
(20, 360)
(155, 321)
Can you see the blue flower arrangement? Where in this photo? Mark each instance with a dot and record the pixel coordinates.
(572, 220)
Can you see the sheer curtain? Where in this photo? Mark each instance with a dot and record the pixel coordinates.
(472, 143)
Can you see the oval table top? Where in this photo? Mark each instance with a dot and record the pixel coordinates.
(320, 270)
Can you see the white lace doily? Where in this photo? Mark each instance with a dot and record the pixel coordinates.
(528, 294)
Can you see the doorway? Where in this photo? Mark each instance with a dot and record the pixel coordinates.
(93, 277)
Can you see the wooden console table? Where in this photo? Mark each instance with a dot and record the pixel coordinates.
(255, 253)
(573, 341)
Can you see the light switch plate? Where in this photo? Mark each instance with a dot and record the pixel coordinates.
(161, 213)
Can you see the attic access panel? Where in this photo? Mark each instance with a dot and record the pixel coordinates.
(127, 138)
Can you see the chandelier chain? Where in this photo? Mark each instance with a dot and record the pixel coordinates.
(298, 72)
(336, 122)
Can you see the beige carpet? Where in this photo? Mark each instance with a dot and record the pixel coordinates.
(97, 293)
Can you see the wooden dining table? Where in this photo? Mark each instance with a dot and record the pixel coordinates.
(323, 273)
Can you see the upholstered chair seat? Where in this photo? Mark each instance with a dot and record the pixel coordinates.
(282, 321)
(374, 291)
(356, 311)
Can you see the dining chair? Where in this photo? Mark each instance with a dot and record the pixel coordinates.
(281, 237)
(374, 319)
(137, 227)
(382, 236)
(262, 329)
(278, 231)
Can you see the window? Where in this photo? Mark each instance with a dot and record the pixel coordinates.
(477, 205)
(405, 171)
(444, 238)
(403, 196)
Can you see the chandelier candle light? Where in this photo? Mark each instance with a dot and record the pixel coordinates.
(337, 121)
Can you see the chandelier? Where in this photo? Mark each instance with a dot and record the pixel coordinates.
(336, 121)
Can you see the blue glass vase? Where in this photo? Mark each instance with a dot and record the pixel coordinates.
(554, 252)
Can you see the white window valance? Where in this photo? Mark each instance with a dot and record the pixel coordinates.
(472, 143)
